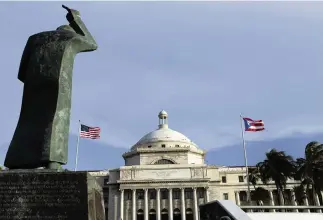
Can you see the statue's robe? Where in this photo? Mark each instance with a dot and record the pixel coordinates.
(42, 132)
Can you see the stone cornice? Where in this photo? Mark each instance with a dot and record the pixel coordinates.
(163, 167)
(166, 141)
(162, 150)
(125, 187)
(237, 185)
(205, 180)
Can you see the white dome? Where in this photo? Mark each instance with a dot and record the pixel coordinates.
(164, 134)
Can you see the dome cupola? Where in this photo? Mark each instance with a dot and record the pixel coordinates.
(164, 146)
(163, 118)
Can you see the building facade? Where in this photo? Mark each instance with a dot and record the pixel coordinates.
(165, 178)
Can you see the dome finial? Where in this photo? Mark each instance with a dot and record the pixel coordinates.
(163, 118)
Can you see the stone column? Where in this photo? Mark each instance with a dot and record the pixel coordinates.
(306, 202)
(271, 197)
(196, 209)
(116, 207)
(121, 203)
(170, 204)
(158, 205)
(251, 191)
(237, 198)
(294, 202)
(134, 207)
(317, 199)
(317, 202)
(183, 211)
(207, 199)
(146, 213)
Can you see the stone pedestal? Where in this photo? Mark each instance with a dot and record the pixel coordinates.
(46, 195)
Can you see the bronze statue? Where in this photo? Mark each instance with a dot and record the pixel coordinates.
(41, 136)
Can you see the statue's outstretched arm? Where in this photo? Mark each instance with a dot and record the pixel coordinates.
(73, 16)
(78, 24)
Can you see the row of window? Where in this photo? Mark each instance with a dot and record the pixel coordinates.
(240, 178)
(242, 194)
(163, 194)
(164, 145)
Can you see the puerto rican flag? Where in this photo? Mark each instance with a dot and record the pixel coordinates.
(253, 125)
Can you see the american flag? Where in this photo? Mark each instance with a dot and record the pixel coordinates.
(90, 132)
(253, 125)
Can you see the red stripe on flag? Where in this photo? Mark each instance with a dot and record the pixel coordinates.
(256, 124)
(255, 129)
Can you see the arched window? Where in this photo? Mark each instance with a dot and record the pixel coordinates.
(164, 161)
(164, 211)
(189, 211)
(177, 211)
(152, 212)
(140, 214)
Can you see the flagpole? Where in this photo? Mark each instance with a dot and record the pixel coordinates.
(77, 144)
(245, 159)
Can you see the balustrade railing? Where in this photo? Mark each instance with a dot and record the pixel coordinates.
(254, 208)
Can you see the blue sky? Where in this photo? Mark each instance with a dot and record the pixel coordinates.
(203, 62)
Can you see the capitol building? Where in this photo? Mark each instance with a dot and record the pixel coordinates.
(165, 178)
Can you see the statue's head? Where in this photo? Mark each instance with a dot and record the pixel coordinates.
(65, 27)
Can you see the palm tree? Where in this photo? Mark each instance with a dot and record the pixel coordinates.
(259, 194)
(253, 176)
(309, 170)
(299, 194)
(277, 167)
